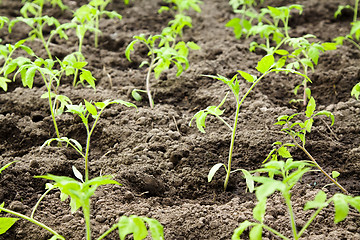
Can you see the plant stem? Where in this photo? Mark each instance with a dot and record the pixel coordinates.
(356, 10)
(287, 198)
(48, 86)
(33, 221)
(41, 36)
(238, 105)
(107, 232)
(353, 42)
(86, 211)
(318, 166)
(228, 170)
(148, 80)
(275, 232)
(89, 133)
(38, 202)
(96, 32)
(307, 224)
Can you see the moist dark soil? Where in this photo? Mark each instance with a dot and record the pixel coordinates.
(162, 162)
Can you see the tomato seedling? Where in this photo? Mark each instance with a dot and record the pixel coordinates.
(82, 189)
(51, 78)
(290, 173)
(10, 64)
(38, 22)
(265, 66)
(163, 52)
(297, 130)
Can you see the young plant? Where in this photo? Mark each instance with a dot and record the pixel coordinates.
(353, 37)
(38, 22)
(3, 20)
(52, 78)
(355, 29)
(248, 13)
(10, 64)
(290, 173)
(89, 17)
(163, 52)
(265, 66)
(272, 25)
(304, 55)
(180, 6)
(297, 130)
(82, 189)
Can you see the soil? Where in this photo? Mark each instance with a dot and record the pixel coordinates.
(161, 162)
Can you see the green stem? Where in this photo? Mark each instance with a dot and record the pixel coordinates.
(307, 224)
(107, 232)
(81, 39)
(238, 105)
(356, 10)
(38, 202)
(353, 42)
(33, 221)
(228, 170)
(88, 144)
(41, 36)
(97, 28)
(86, 211)
(275, 232)
(48, 86)
(318, 166)
(148, 81)
(291, 214)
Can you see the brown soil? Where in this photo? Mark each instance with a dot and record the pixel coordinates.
(161, 162)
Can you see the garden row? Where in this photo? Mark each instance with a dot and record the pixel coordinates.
(268, 29)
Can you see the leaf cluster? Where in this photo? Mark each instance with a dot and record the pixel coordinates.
(298, 129)
(290, 173)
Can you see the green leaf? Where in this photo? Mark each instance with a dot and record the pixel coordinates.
(239, 230)
(335, 174)
(136, 95)
(354, 202)
(249, 180)
(265, 63)
(91, 109)
(6, 223)
(6, 166)
(77, 174)
(318, 202)
(355, 92)
(328, 114)
(213, 170)
(310, 107)
(29, 77)
(329, 46)
(88, 77)
(132, 225)
(200, 120)
(341, 207)
(256, 233)
(268, 188)
(282, 52)
(193, 46)
(247, 76)
(284, 152)
(156, 229)
(130, 48)
(3, 83)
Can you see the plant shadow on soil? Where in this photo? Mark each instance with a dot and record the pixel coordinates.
(161, 162)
